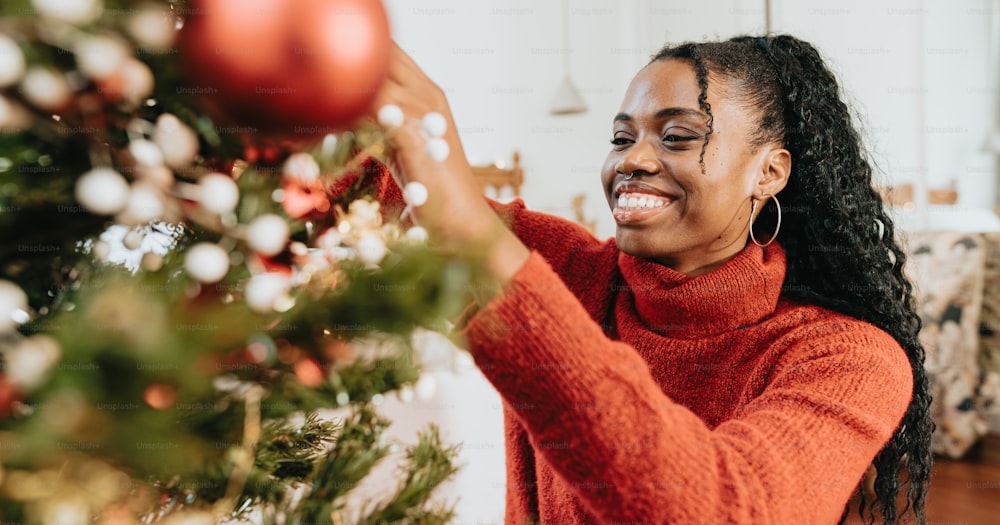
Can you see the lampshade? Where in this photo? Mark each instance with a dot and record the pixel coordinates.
(567, 99)
(992, 142)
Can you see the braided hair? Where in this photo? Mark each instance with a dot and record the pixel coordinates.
(835, 223)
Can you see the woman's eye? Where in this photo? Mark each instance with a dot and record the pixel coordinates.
(679, 138)
(620, 141)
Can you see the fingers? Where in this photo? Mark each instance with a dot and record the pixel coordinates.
(401, 65)
(421, 129)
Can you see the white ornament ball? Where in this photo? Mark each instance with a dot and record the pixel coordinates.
(29, 362)
(206, 262)
(437, 149)
(218, 193)
(101, 251)
(405, 394)
(146, 152)
(76, 12)
(176, 140)
(415, 194)
(12, 63)
(301, 166)
(425, 387)
(144, 203)
(13, 116)
(153, 27)
(417, 234)
(99, 56)
(137, 81)
(434, 124)
(390, 116)
(103, 191)
(151, 262)
(133, 239)
(329, 240)
(267, 235)
(264, 290)
(13, 305)
(371, 248)
(329, 144)
(46, 89)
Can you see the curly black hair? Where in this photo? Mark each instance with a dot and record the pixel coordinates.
(835, 224)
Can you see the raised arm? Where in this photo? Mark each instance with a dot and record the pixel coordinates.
(455, 214)
(497, 237)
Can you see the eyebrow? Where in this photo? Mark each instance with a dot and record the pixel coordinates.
(665, 112)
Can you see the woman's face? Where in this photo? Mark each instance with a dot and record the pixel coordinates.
(669, 210)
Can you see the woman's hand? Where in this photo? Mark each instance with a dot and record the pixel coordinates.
(455, 215)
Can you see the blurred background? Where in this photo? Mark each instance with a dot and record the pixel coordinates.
(921, 75)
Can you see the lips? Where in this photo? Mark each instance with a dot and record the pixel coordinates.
(636, 201)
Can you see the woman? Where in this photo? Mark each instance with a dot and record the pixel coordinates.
(719, 361)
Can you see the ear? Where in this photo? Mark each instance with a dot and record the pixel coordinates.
(775, 168)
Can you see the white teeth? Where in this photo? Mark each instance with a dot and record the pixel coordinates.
(640, 200)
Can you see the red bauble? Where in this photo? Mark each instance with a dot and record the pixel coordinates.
(286, 67)
(8, 395)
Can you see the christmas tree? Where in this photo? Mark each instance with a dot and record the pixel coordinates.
(188, 274)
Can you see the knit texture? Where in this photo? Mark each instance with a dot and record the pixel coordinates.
(634, 394)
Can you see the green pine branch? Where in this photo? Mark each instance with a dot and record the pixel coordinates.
(360, 446)
(429, 465)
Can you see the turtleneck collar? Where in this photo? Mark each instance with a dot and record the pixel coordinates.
(742, 291)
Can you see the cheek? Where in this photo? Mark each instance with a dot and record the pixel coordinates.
(608, 173)
(707, 202)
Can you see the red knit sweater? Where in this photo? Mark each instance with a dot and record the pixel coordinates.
(634, 394)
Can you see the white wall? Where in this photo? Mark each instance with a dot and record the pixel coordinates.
(918, 72)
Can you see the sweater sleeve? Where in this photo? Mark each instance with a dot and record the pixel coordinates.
(558, 240)
(629, 454)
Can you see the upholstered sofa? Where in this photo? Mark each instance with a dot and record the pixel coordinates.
(957, 281)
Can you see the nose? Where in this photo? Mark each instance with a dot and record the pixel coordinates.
(641, 157)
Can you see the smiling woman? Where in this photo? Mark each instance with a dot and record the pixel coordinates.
(702, 203)
(707, 365)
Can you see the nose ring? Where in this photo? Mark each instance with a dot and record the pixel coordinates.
(629, 176)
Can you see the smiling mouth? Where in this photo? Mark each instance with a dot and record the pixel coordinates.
(637, 202)
(641, 201)
(638, 207)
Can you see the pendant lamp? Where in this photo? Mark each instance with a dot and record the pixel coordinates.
(567, 99)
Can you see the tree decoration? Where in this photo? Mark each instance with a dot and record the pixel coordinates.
(12, 63)
(288, 68)
(13, 306)
(190, 270)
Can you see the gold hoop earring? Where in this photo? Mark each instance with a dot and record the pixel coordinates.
(777, 227)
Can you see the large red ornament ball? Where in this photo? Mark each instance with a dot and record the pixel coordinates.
(286, 67)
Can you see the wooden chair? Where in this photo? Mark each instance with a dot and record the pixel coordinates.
(498, 176)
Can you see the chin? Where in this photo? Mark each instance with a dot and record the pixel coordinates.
(634, 244)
